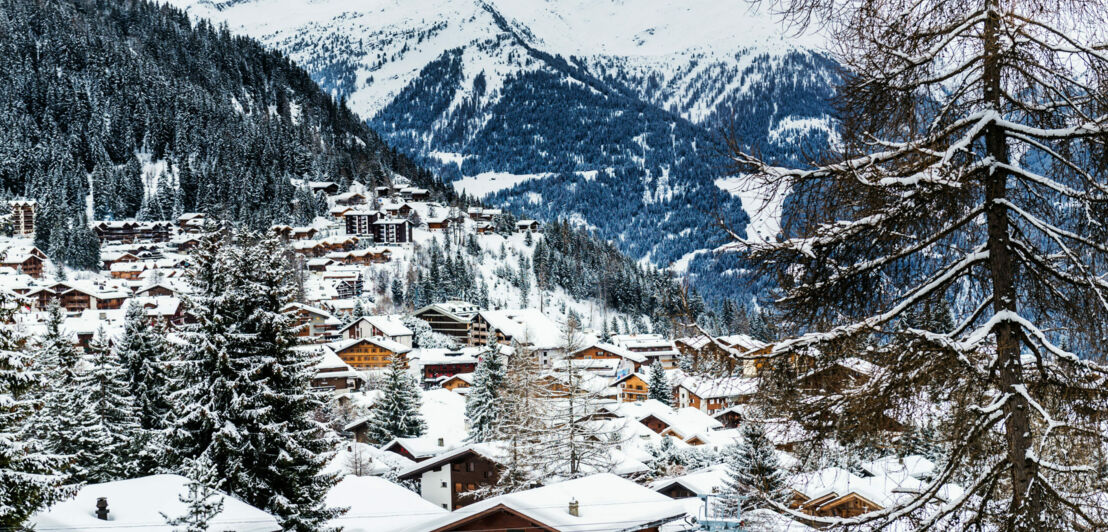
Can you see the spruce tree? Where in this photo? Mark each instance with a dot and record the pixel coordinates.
(754, 475)
(658, 387)
(397, 415)
(397, 292)
(141, 351)
(109, 434)
(27, 479)
(483, 404)
(243, 397)
(59, 421)
(202, 502)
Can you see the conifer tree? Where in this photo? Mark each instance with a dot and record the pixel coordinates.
(754, 473)
(483, 403)
(523, 425)
(59, 422)
(658, 387)
(243, 397)
(397, 292)
(397, 415)
(109, 440)
(202, 502)
(27, 479)
(141, 351)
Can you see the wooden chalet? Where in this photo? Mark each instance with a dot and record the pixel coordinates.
(313, 323)
(368, 353)
(632, 388)
(450, 478)
(452, 318)
(523, 226)
(458, 380)
(129, 232)
(25, 260)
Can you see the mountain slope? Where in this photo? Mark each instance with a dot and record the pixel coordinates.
(115, 109)
(607, 113)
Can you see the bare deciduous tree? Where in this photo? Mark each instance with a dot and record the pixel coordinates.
(971, 170)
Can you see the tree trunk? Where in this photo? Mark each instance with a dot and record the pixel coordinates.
(1026, 505)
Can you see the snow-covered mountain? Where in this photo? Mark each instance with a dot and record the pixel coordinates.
(606, 112)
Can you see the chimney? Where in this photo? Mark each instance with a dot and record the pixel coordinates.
(574, 508)
(102, 508)
(442, 443)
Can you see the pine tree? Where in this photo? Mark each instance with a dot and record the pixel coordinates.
(243, 397)
(658, 387)
(27, 478)
(397, 292)
(483, 403)
(109, 437)
(141, 351)
(59, 421)
(397, 415)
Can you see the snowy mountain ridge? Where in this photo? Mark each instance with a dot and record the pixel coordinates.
(608, 113)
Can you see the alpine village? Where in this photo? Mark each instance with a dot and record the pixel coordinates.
(553, 265)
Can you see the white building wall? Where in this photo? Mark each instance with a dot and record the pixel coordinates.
(435, 486)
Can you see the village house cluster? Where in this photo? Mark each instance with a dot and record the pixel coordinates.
(143, 264)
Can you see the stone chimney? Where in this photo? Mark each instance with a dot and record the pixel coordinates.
(574, 508)
(102, 508)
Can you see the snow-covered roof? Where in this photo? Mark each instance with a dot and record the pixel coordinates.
(701, 482)
(465, 355)
(377, 505)
(493, 451)
(384, 343)
(138, 504)
(709, 387)
(527, 325)
(913, 465)
(388, 325)
(742, 342)
(605, 502)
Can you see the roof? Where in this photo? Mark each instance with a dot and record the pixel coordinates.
(455, 310)
(701, 482)
(388, 325)
(493, 451)
(395, 347)
(138, 504)
(605, 502)
(377, 505)
(528, 325)
(707, 387)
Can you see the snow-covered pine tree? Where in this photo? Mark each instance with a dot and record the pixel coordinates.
(28, 481)
(202, 501)
(110, 442)
(754, 473)
(483, 403)
(658, 387)
(970, 169)
(58, 422)
(397, 292)
(142, 350)
(397, 415)
(577, 445)
(243, 397)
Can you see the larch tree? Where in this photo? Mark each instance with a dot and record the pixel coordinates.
(522, 425)
(397, 415)
(577, 444)
(971, 169)
(28, 481)
(243, 397)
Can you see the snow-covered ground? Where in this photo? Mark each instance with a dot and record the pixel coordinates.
(761, 205)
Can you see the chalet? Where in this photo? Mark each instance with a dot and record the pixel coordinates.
(128, 270)
(523, 226)
(402, 210)
(108, 258)
(165, 309)
(451, 318)
(439, 363)
(842, 374)
(387, 327)
(129, 232)
(338, 212)
(334, 375)
(39, 297)
(529, 326)
(183, 243)
(706, 481)
(302, 233)
(28, 260)
(349, 287)
(23, 217)
(484, 228)
(602, 351)
(158, 289)
(457, 381)
(398, 231)
(632, 387)
(368, 353)
(192, 222)
(365, 256)
(482, 214)
(711, 395)
(441, 223)
(360, 222)
(652, 346)
(313, 323)
(598, 502)
(318, 264)
(415, 194)
(730, 417)
(347, 199)
(78, 296)
(447, 478)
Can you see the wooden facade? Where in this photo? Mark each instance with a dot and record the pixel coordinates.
(367, 354)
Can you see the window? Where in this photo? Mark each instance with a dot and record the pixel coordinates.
(469, 467)
(457, 487)
(456, 467)
(444, 483)
(471, 486)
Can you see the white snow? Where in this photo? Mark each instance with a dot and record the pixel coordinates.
(483, 184)
(762, 206)
(377, 505)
